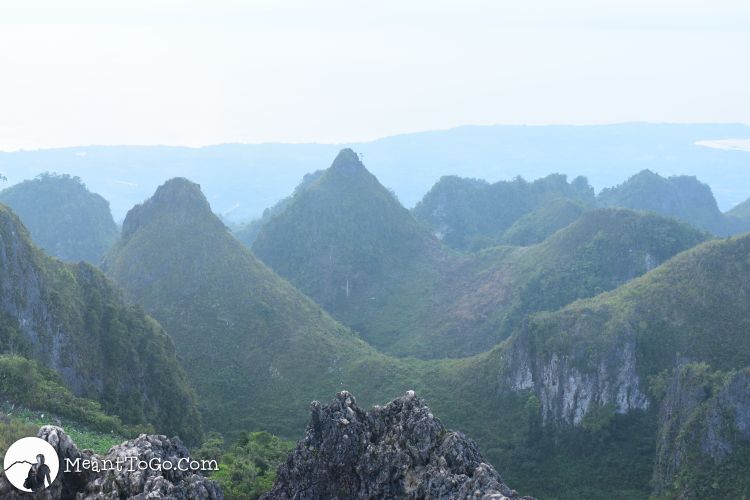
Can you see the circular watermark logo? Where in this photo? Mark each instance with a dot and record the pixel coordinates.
(31, 464)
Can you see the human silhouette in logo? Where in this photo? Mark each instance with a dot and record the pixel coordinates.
(38, 477)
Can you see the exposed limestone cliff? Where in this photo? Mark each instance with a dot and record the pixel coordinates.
(569, 382)
(400, 450)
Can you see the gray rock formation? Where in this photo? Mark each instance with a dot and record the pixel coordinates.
(127, 482)
(397, 451)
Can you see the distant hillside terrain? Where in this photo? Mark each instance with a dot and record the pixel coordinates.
(586, 382)
(242, 180)
(255, 348)
(348, 243)
(566, 407)
(470, 214)
(74, 321)
(681, 197)
(64, 218)
(542, 222)
(248, 231)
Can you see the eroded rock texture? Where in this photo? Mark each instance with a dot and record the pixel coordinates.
(400, 450)
(86, 484)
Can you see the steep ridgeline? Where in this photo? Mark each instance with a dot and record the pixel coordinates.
(601, 365)
(247, 232)
(350, 246)
(681, 197)
(73, 320)
(470, 214)
(64, 218)
(255, 348)
(703, 446)
(400, 450)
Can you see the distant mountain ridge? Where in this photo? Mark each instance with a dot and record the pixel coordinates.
(241, 180)
(468, 214)
(346, 242)
(682, 197)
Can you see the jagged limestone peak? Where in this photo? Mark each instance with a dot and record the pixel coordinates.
(400, 450)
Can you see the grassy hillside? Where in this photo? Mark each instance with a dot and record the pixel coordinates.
(259, 351)
(247, 232)
(73, 320)
(681, 197)
(64, 218)
(256, 349)
(694, 306)
(741, 211)
(481, 299)
(349, 245)
(27, 385)
(470, 214)
(542, 222)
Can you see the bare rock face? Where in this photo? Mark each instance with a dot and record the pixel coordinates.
(128, 482)
(397, 451)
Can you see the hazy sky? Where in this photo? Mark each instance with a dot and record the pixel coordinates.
(193, 73)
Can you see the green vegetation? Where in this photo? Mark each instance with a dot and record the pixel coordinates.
(71, 317)
(248, 468)
(704, 442)
(346, 242)
(22, 422)
(739, 217)
(12, 429)
(537, 225)
(247, 233)
(682, 197)
(349, 245)
(31, 385)
(64, 218)
(256, 349)
(471, 214)
(34, 396)
(241, 331)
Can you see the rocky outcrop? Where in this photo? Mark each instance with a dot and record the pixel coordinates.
(400, 450)
(704, 424)
(129, 481)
